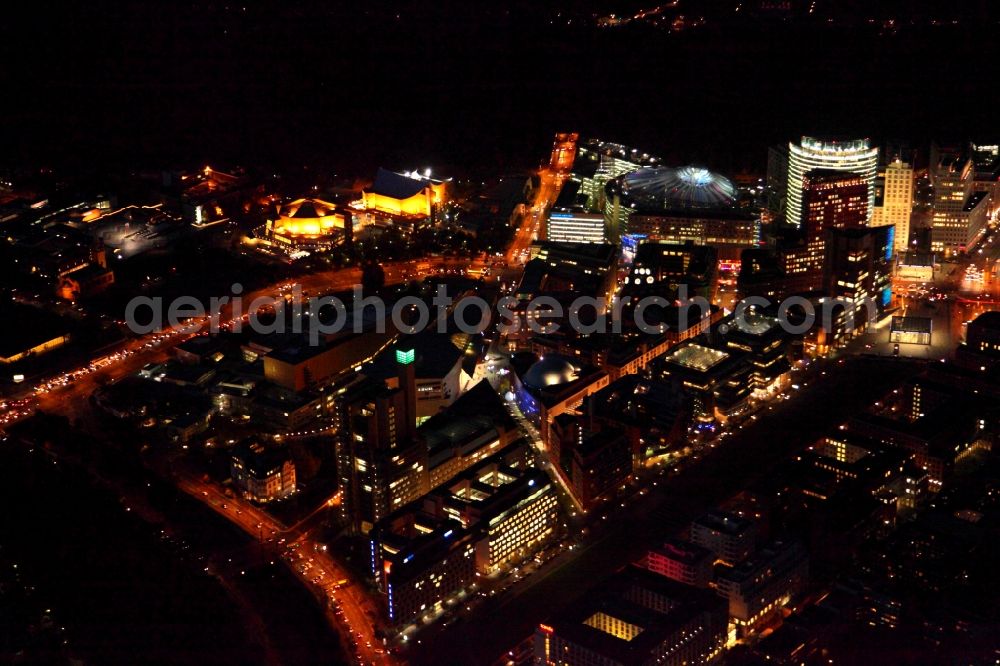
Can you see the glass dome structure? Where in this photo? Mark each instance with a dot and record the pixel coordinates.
(667, 188)
(550, 371)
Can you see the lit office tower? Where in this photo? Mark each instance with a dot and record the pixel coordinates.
(575, 227)
(897, 201)
(381, 463)
(855, 156)
(830, 200)
(959, 217)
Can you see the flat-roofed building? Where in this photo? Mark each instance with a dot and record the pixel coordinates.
(298, 365)
(718, 382)
(652, 412)
(731, 537)
(474, 427)
(35, 332)
(981, 351)
(635, 618)
(682, 561)
(760, 586)
(914, 266)
(959, 210)
(767, 345)
(481, 522)
(262, 473)
(911, 330)
(575, 227)
(598, 465)
(659, 268)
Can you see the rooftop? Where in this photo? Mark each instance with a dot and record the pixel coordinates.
(27, 328)
(697, 357)
(650, 610)
(684, 551)
(682, 188)
(753, 323)
(397, 185)
(307, 209)
(435, 355)
(724, 522)
(911, 324)
(260, 460)
(990, 319)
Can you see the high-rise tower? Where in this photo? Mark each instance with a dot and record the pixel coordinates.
(855, 156)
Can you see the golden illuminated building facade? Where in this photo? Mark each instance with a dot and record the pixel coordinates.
(309, 224)
(897, 202)
(407, 195)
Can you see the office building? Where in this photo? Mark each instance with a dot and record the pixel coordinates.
(481, 522)
(618, 355)
(682, 561)
(729, 536)
(652, 412)
(262, 473)
(659, 268)
(935, 420)
(986, 167)
(575, 226)
(381, 463)
(857, 274)
(636, 618)
(598, 465)
(833, 200)
(959, 216)
(716, 382)
(474, 427)
(777, 179)
(760, 586)
(983, 334)
(767, 345)
(853, 156)
(897, 202)
(830, 200)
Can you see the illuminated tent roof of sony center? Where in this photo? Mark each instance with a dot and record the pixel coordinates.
(657, 189)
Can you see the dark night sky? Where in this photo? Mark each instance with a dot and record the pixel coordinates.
(449, 83)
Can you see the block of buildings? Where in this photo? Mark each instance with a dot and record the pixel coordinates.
(635, 618)
(262, 473)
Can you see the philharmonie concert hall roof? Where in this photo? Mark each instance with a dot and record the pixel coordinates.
(654, 189)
